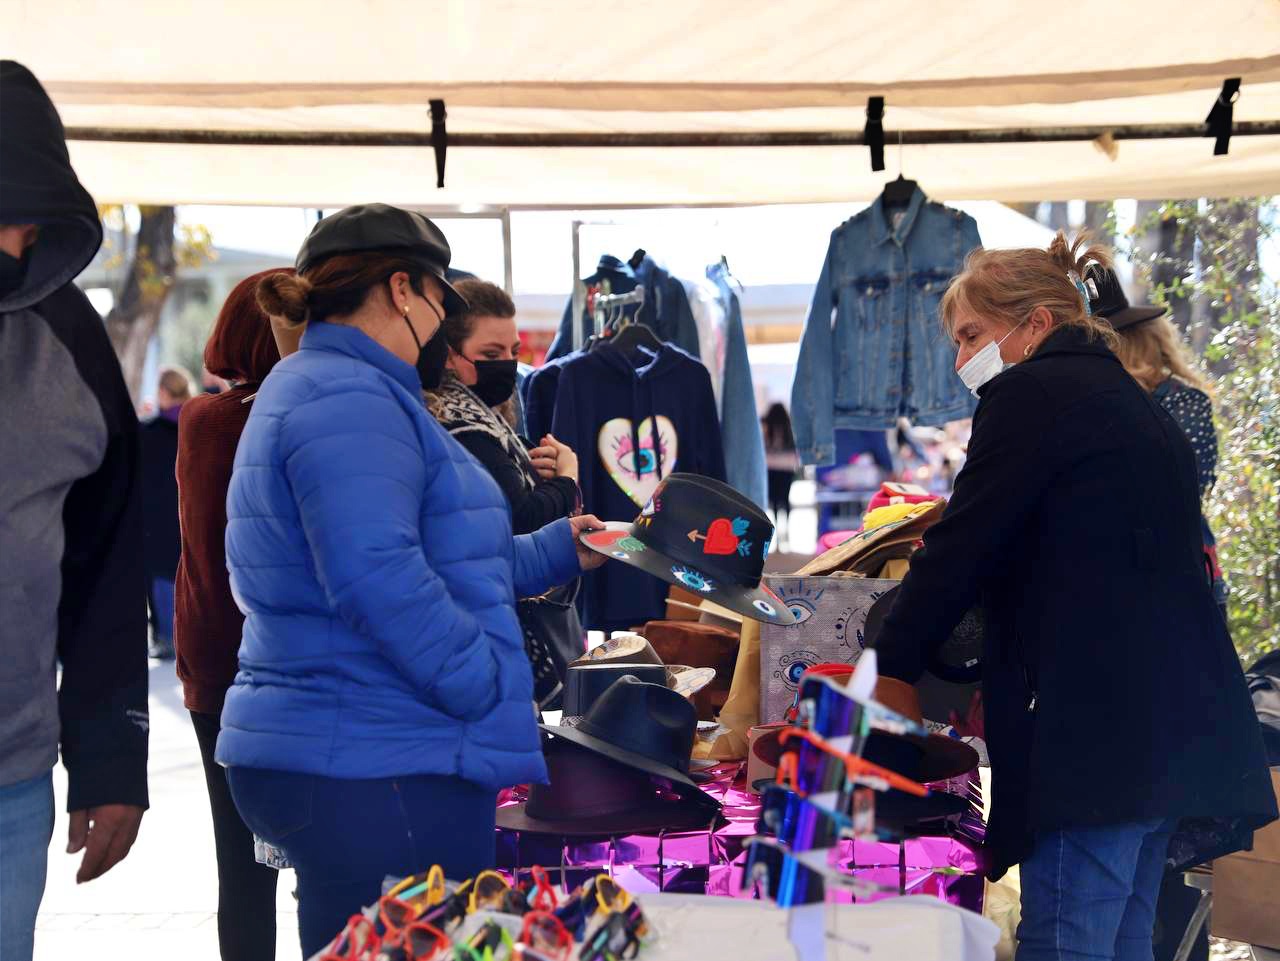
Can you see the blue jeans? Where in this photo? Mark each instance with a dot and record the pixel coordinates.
(1089, 894)
(26, 827)
(344, 836)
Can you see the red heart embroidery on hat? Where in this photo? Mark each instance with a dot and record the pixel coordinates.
(720, 537)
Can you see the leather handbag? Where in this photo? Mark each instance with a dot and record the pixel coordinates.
(553, 639)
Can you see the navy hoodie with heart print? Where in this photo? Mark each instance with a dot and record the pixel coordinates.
(633, 417)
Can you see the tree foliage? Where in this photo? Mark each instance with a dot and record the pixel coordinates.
(150, 257)
(1212, 270)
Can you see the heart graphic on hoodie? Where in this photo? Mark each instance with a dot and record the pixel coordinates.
(638, 472)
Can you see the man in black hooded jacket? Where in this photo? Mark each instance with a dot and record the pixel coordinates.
(71, 582)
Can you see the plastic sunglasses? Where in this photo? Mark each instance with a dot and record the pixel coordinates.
(608, 895)
(791, 880)
(803, 825)
(357, 940)
(429, 888)
(809, 773)
(489, 891)
(874, 714)
(418, 941)
(618, 937)
(544, 897)
(394, 915)
(548, 938)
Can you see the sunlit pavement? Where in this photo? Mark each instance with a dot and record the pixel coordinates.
(159, 903)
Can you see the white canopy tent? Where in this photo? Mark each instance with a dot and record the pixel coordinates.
(369, 67)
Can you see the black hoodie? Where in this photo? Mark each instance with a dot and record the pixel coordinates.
(71, 580)
(633, 418)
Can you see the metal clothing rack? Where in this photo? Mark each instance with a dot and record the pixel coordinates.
(607, 307)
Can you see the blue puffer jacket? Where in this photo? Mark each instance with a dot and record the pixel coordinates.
(374, 561)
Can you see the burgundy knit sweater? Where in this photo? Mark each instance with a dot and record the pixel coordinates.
(207, 623)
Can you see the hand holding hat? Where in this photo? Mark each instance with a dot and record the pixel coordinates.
(582, 525)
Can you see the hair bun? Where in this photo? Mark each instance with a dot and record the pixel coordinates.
(284, 295)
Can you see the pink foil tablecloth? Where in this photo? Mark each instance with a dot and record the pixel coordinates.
(712, 861)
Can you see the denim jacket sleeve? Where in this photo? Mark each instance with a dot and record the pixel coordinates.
(563, 342)
(812, 393)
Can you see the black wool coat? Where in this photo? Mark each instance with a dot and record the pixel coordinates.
(162, 538)
(1112, 690)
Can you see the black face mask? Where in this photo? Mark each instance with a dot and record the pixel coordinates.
(431, 356)
(495, 380)
(13, 271)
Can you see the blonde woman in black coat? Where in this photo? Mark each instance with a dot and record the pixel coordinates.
(1115, 704)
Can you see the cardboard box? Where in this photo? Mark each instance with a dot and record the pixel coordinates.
(1246, 889)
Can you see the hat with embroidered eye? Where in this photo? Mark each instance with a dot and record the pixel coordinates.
(1111, 304)
(704, 536)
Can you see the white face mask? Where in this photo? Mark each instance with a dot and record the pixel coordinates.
(985, 364)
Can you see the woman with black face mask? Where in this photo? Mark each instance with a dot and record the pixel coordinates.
(474, 403)
(384, 696)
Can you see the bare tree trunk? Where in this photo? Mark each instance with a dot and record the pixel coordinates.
(1098, 221)
(148, 279)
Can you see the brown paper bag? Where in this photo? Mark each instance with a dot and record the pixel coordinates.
(741, 710)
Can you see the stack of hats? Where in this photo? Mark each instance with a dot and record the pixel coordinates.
(622, 769)
(625, 654)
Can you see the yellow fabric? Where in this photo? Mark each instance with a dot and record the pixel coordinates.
(886, 514)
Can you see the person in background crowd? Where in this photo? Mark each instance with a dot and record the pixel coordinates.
(782, 463)
(72, 594)
(1154, 354)
(162, 542)
(1108, 719)
(384, 695)
(540, 485)
(211, 383)
(207, 623)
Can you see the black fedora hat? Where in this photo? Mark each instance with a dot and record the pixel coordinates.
(367, 227)
(897, 810)
(585, 682)
(589, 795)
(1107, 300)
(646, 727)
(704, 536)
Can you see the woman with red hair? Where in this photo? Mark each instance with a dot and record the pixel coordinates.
(242, 349)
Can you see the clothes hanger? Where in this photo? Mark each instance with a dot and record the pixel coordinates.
(898, 193)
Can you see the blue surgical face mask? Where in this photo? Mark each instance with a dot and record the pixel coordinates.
(985, 364)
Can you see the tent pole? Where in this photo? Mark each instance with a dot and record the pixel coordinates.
(507, 277)
(776, 138)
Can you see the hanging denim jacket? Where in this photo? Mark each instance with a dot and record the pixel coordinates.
(873, 349)
(739, 421)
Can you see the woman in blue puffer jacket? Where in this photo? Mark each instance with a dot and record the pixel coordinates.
(384, 694)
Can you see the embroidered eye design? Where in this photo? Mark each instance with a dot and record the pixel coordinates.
(693, 580)
(621, 555)
(800, 609)
(637, 463)
(765, 608)
(796, 670)
(800, 600)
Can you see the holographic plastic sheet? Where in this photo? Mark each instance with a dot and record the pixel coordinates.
(712, 861)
